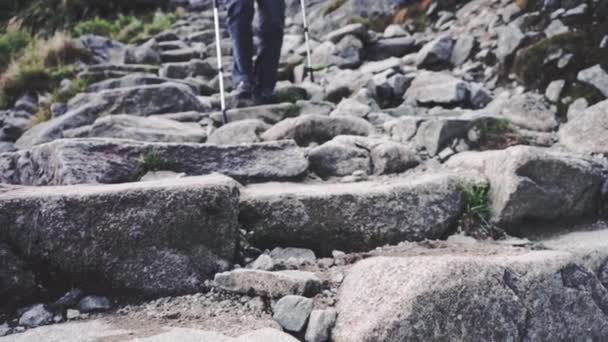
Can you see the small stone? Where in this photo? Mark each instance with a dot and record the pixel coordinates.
(292, 312)
(70, 299)
(36, 316)
(554, 90)
(595, 76)
(297, 255)
(4, 329)
(94, 304)
(338, 254)
(320, 324)
(564, 60)
(577, 107)
(556, 28)
(73, 314)
(264, 262)
(269, 284)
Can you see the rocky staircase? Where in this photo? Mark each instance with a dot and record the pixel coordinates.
(374, 179)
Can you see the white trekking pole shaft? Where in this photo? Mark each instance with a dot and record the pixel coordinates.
(220, 64)
(308, 69)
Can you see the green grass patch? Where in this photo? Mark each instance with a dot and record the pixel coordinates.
(475, 220)
(125, 28)
(150, 161)
(12, 45)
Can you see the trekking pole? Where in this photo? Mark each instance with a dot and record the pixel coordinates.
(220, 65)
(308, 69)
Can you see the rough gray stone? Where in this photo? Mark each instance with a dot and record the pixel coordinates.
(531, 111)
(554, 90)
(435, 54)
(293, 255)
(577, 107)
(109, 161)
(437, 88)
(94, 304)
(510, 38)
(595, 76)
(462, 49)
(141, 101)
(530, 184)
(357, 30)
(530, 296)
(292, 312)
(346, 154)
(317, 128)
(270, 114)
(320, 325)
(239, 132)
(36, 316)
(351, 217)
(17, 283)
(153, 129)
(588, 131)
(151, 237)
(391, 47)
(269, 284)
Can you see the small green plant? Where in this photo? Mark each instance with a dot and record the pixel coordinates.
(333, 6)
(475, 220)
(497, 134)
(150, 161)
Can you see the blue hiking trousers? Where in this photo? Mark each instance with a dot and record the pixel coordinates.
(263, 73)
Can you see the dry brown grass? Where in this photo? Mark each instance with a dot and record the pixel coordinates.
(40, 67)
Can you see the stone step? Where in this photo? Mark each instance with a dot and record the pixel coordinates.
(531, 186)
(480, 292)
(85, 108)
(109, 161)
(151, 237)
(151, 129)
(352, 217)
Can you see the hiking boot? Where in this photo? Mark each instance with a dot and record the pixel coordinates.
(244, 91)
(265, 98)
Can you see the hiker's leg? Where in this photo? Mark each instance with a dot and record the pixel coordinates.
(272, 24)
(240, 21)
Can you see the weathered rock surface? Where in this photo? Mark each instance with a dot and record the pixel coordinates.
(317, 128)
(292, 312)
(351, 217)
(84, 109)
(529, 184)
(17, 282)
(153, 129)
(151, 237)
(588, 131)
(541, 295)
(346, 154)
(320, 324)
(437, 88)
(108, 161)
(239, 132)
(269, 284)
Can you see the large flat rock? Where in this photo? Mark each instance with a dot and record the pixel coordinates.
(109, 161)
(351, 217)
(587, 132)
(530, 185)
(85, 108)
(151, 237)
(508, 296)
